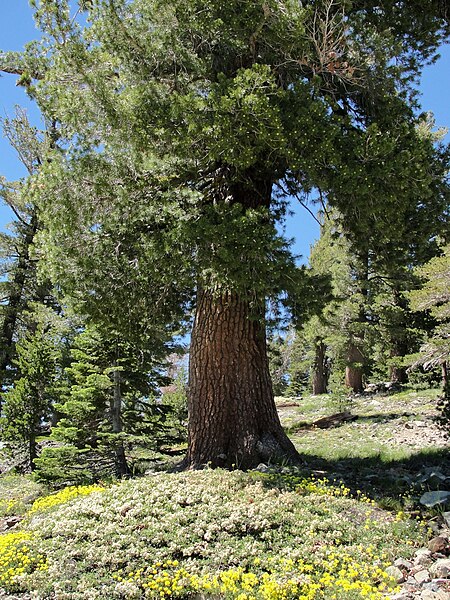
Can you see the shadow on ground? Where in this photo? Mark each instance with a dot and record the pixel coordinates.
(335, 421)
(382, 417)
(385, 481)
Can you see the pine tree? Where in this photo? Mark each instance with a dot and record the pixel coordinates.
(28, 405)
(434, 296)
(194, 122)
(109, 404)
(337, 336)
(19, 286)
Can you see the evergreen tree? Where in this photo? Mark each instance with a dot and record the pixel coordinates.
(109, 404)
(28, 405)
(175, 399)
(338, 335)
(368, 325)
(302, 357)
(384, 262)
(194, 121)
(279, 353)
(19, 285)
(434, 296)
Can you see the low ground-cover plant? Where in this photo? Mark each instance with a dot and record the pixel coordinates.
(18, 559)
(329, 574)
(20, 553)
(63, 496)
(218, 533)
(17, 494)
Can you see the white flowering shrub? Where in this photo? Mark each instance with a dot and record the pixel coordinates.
(229, 534)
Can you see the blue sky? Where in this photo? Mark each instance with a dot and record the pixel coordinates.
(17, 28)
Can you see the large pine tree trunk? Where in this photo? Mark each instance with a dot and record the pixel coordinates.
(320, 372)
(232, 414)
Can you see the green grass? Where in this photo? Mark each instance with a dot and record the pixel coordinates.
(369, 453)
(17, 494)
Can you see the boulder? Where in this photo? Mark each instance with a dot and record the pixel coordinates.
(402, 563)
(422, 558)
(422, 576)
(431, 499)
(438, 544)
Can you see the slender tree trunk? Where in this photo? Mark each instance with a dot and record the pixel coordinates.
(120, 460)
(355, 358)
(445, 380)
(399, 343)
(398, 374)
(232, 414)
(320, 372)
(32, 450)
(354, 372)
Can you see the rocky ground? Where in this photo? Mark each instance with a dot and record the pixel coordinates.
(427, 576)
(390, 446)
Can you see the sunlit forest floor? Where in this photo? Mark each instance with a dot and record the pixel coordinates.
(391, 445)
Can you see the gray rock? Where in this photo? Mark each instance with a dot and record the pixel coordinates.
(396, 574)
(430, 499)
(432, 586)
(434, 477)
(446, 517)
(422, 576)
(438, 544)
(430, 595)
(371, 388)
(422, 561)
(422, 558)
(402, 563)
(441, 568)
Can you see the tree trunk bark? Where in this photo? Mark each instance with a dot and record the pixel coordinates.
(232, 415)
(355, 358)
(353, 372)
(120, 461)
(320, 373)
(398, 375)
(445, 380)
(398, 338)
